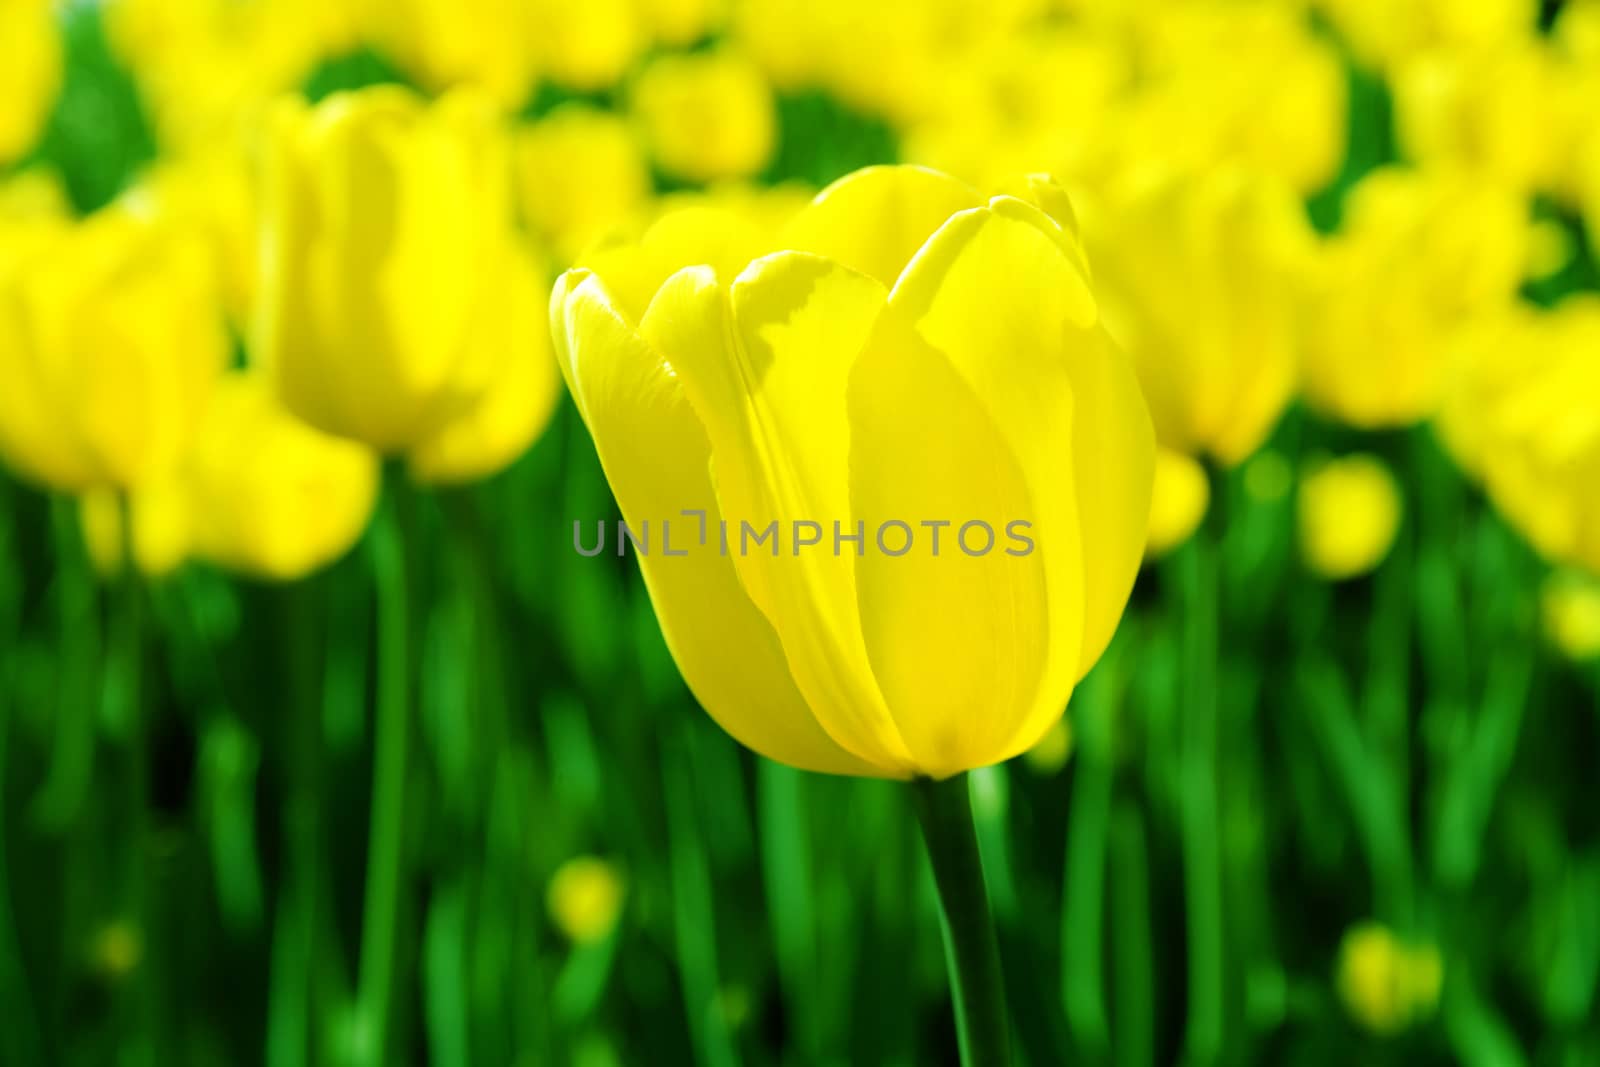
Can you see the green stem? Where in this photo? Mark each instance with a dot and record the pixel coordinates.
(381, 914)
(944, 809)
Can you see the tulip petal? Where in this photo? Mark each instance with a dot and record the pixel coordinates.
(656, 458)
(765, 363)
(955, 626)
(1033, 354)
(875, 219)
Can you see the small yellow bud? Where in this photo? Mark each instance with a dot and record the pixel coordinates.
(1349, 514)
(1177, 502)
(585, 899)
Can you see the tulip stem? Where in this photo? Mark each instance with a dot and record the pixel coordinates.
(944, 809)
(385, 846)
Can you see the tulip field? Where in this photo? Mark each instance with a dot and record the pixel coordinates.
(799, 533)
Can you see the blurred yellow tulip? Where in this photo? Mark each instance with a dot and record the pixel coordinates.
(581, 173)
(585, 898)
(1537, 429)
(1202, 280)
(1383, 33)
(111, 338)
(1498, 111)
(1178, 501)
(1349, 513)
(30, 72)
(679, 23)
(209, 68)
(1386, 984)
(521, 394)
(586, 46)
(447, 43)
(160, 534)
(706, 116)
(1570, 607)
(269, 496)
(213, 191)
(1420, 257)
(388, 230)
(887, 372)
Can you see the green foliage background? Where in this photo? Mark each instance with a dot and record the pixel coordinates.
(1262, 760)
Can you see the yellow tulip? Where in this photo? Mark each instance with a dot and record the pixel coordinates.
(1200, 104)
(1498, 111)
(706, 116)
(1539, 448)
(388, 232)
(1201, 279)
(160, 534)
(581, 173)
(1384, 33)
(1178, 501)
(1420, 257)
(207, 68)
(1386, 984)
(113, 337)
(447, 43)
(912, 354)
(1570, 607)
(1349, 514)
(586, 46)
(521, 395)
(269, 496)
(585, 899)
(213, 191)
(678, 23)
(30, 73)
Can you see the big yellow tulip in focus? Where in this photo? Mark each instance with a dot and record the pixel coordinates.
(388, 238)
(909, 360)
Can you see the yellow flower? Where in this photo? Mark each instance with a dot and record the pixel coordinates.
(1539, 430)
(581, 173)
(206, 68)
(1420, 257)
(113, 337)
(585, 899)
(269, 496)
(678, 23)
(1349, 515)
(1498, 111)
(1201, 281)
(1178, 501)
(1200, 102)
(520, 397)
(160, 534)
(1386, 984)
(1384, 33)
(706, 116)
(30, 73)
(449, 43)
(913, 355)
(1570, 604)
(387, 235)
(213, 191)
(586, 46)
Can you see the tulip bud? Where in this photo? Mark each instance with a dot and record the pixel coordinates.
(1349, 514)
(706, 116)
